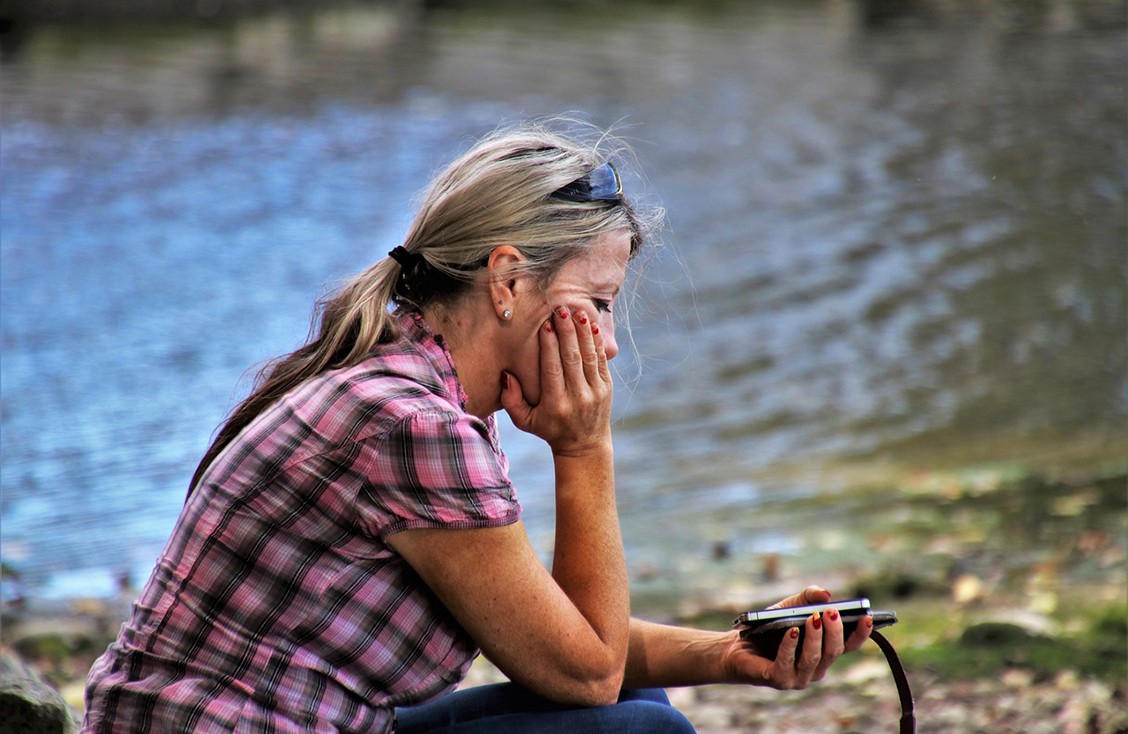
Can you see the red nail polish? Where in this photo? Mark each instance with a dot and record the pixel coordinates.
(833, 614)
(594, 329)
(582, 317)
(794, 633)
(548, 326)
(818, 622)
(562, 312)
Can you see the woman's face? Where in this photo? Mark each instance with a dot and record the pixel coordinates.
(588, 283)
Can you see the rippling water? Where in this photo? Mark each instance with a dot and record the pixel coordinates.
(895, 241)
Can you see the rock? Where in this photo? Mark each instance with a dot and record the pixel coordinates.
(28, 705)
(996, 634)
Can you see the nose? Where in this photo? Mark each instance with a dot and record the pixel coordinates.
(607, 331)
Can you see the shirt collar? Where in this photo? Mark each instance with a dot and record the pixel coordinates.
(418, 332)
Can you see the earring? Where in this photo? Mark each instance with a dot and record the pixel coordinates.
(506, 314)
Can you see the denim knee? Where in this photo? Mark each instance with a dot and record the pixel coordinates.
(652, 717)
(656, 695)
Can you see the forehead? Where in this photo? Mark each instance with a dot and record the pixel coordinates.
(602, 267)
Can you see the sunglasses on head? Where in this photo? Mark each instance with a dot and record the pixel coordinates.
(601, 184)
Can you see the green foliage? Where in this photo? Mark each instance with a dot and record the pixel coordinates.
(986, 649)
(50, 647)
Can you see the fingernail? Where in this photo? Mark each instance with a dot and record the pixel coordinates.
(581, 317)
(548, 326)
(817, 623)
(833, 614)
(594, 329)
(794, 633)
(504, 380)
(562, 312)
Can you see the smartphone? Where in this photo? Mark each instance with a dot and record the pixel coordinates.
(764, 628)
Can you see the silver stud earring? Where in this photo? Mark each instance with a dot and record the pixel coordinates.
(506, 314)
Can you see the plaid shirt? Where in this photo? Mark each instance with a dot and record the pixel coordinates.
(278, 605)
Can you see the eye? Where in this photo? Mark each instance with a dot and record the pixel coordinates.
(602, 305)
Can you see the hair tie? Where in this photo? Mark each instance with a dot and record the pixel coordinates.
(406, 259)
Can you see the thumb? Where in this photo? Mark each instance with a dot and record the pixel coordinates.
(809, 595)
(513, 400)
(815, 595)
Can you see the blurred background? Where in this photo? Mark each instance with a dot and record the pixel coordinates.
(883, 345)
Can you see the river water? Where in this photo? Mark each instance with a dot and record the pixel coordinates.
(897, 247)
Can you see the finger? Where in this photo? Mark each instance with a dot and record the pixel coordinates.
(513, 400)
(551, 368)
(811, 653)
(597, 338)
(833, 633)
(815, 595)
(833, 645)
(589, 355)
(860, 635)
(809, 595)
(569, 349)
(783, 670)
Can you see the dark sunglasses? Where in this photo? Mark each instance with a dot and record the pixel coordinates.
(601, 184)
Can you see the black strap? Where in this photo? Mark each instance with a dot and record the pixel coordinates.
(908, 716)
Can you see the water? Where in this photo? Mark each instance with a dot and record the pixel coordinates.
(897, 244)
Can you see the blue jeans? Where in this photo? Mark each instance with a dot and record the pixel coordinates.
(506, 708)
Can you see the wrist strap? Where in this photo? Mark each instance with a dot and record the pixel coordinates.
(908, 715)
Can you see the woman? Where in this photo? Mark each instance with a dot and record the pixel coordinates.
(351, 538)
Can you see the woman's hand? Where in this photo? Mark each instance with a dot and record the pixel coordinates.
(574, 412)
(795, 668)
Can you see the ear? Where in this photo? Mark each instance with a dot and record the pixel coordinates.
(504, 281)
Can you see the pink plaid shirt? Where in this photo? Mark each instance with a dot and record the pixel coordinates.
(278, 605)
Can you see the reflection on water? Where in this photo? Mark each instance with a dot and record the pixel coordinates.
(897, 239)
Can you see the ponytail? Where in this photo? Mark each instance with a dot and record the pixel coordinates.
(349, 324)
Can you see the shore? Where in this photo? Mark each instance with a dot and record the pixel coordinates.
(996, 636)
(858, 696)
(1009, 692)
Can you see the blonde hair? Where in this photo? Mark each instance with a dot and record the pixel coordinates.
(496, 193)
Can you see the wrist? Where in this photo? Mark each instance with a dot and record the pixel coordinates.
(730, 670)
(593, 449)
(584, 475)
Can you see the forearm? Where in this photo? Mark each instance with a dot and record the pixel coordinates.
(588, 562)
(662, 656)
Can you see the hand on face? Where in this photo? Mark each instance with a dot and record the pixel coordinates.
(556, 383)
(573, 414)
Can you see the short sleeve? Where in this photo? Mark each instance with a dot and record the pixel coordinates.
(435, 470)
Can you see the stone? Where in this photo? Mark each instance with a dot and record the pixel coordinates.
(28, 705)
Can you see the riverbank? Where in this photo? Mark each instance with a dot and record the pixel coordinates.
(1025, 637)
(859, 696)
